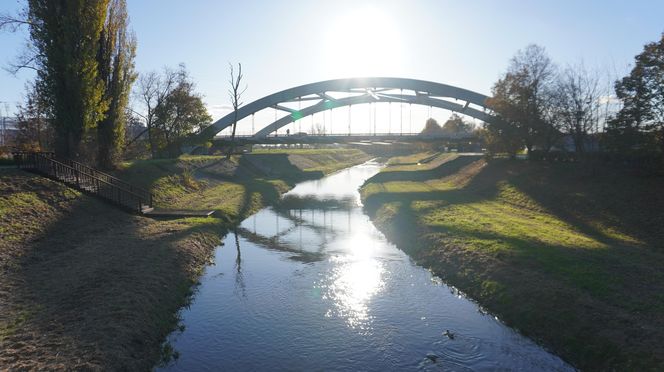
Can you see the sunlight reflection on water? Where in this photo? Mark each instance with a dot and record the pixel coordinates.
(355, 280)
(322, 289)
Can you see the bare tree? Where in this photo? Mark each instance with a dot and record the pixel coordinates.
(319, 129)
(27, 58)
(34, 122)
(577, 103)
(235, 93)
(153, 89)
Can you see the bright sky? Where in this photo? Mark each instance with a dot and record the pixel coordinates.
(286, 43)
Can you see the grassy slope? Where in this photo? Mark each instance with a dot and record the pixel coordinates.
(570, 255)
(237, 187)
(84, 285)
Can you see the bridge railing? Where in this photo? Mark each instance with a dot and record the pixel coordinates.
(347, 135)
(85, 178)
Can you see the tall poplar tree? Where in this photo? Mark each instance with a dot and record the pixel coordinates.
(117, 49)
(66, 34)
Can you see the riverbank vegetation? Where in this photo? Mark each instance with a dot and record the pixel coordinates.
(541, 107)
(84, 285)
(568, 253)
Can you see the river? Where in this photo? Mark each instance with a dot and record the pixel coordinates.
(322, 289)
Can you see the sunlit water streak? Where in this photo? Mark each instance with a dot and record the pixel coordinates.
(324, 290)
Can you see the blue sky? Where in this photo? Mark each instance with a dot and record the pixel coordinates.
(291, 42)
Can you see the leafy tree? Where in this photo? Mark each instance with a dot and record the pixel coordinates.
(501, 137)
(431, 128)
(83, 55)
(117, 49)
(182, 112)
(521, 98)
(455, 126)
(65, 36)
(642, 96)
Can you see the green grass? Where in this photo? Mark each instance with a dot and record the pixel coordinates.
(237, 187)
(35, 195)
(55, 243)
(14, 323)
(568, 253)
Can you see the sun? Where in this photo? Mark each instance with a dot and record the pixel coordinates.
(363, 42)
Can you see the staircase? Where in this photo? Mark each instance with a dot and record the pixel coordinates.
(86, 179)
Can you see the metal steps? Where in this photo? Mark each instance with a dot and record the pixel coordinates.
(87, 179)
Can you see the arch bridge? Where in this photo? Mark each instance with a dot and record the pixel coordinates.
(331, 94)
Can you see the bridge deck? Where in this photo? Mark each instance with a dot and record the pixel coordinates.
(341, 138)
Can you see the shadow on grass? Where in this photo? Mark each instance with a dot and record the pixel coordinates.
(107, 286)
(613, 291)
(580, 194)
(445, 169)
(277, 166)
(260, 175)
(565, 193)
(104, 287)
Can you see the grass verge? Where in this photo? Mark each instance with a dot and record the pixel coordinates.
(569, 254)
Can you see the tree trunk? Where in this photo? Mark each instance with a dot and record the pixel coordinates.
(151, 141)
(579, 143)
(104, 145)
(232, 146)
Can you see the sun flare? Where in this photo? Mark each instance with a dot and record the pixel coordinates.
(364, 41)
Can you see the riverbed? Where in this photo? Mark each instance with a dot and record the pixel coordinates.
(320, 288)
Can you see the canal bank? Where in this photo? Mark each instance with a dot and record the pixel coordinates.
(311, 284)
(86, 286)
(552, 250)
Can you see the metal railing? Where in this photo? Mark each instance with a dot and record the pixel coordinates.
(107, 178)
(85, 178)
(350, 135)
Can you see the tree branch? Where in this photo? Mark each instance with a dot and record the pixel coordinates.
(13, 23)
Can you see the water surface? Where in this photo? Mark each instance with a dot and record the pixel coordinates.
(322, 289)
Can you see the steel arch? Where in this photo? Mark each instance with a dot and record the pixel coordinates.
(426, 93)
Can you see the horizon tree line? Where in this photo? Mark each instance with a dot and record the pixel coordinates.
(537, 103)
(80, 101)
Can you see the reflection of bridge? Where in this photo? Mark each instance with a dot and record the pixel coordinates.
(335, 138)
(332, 94)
